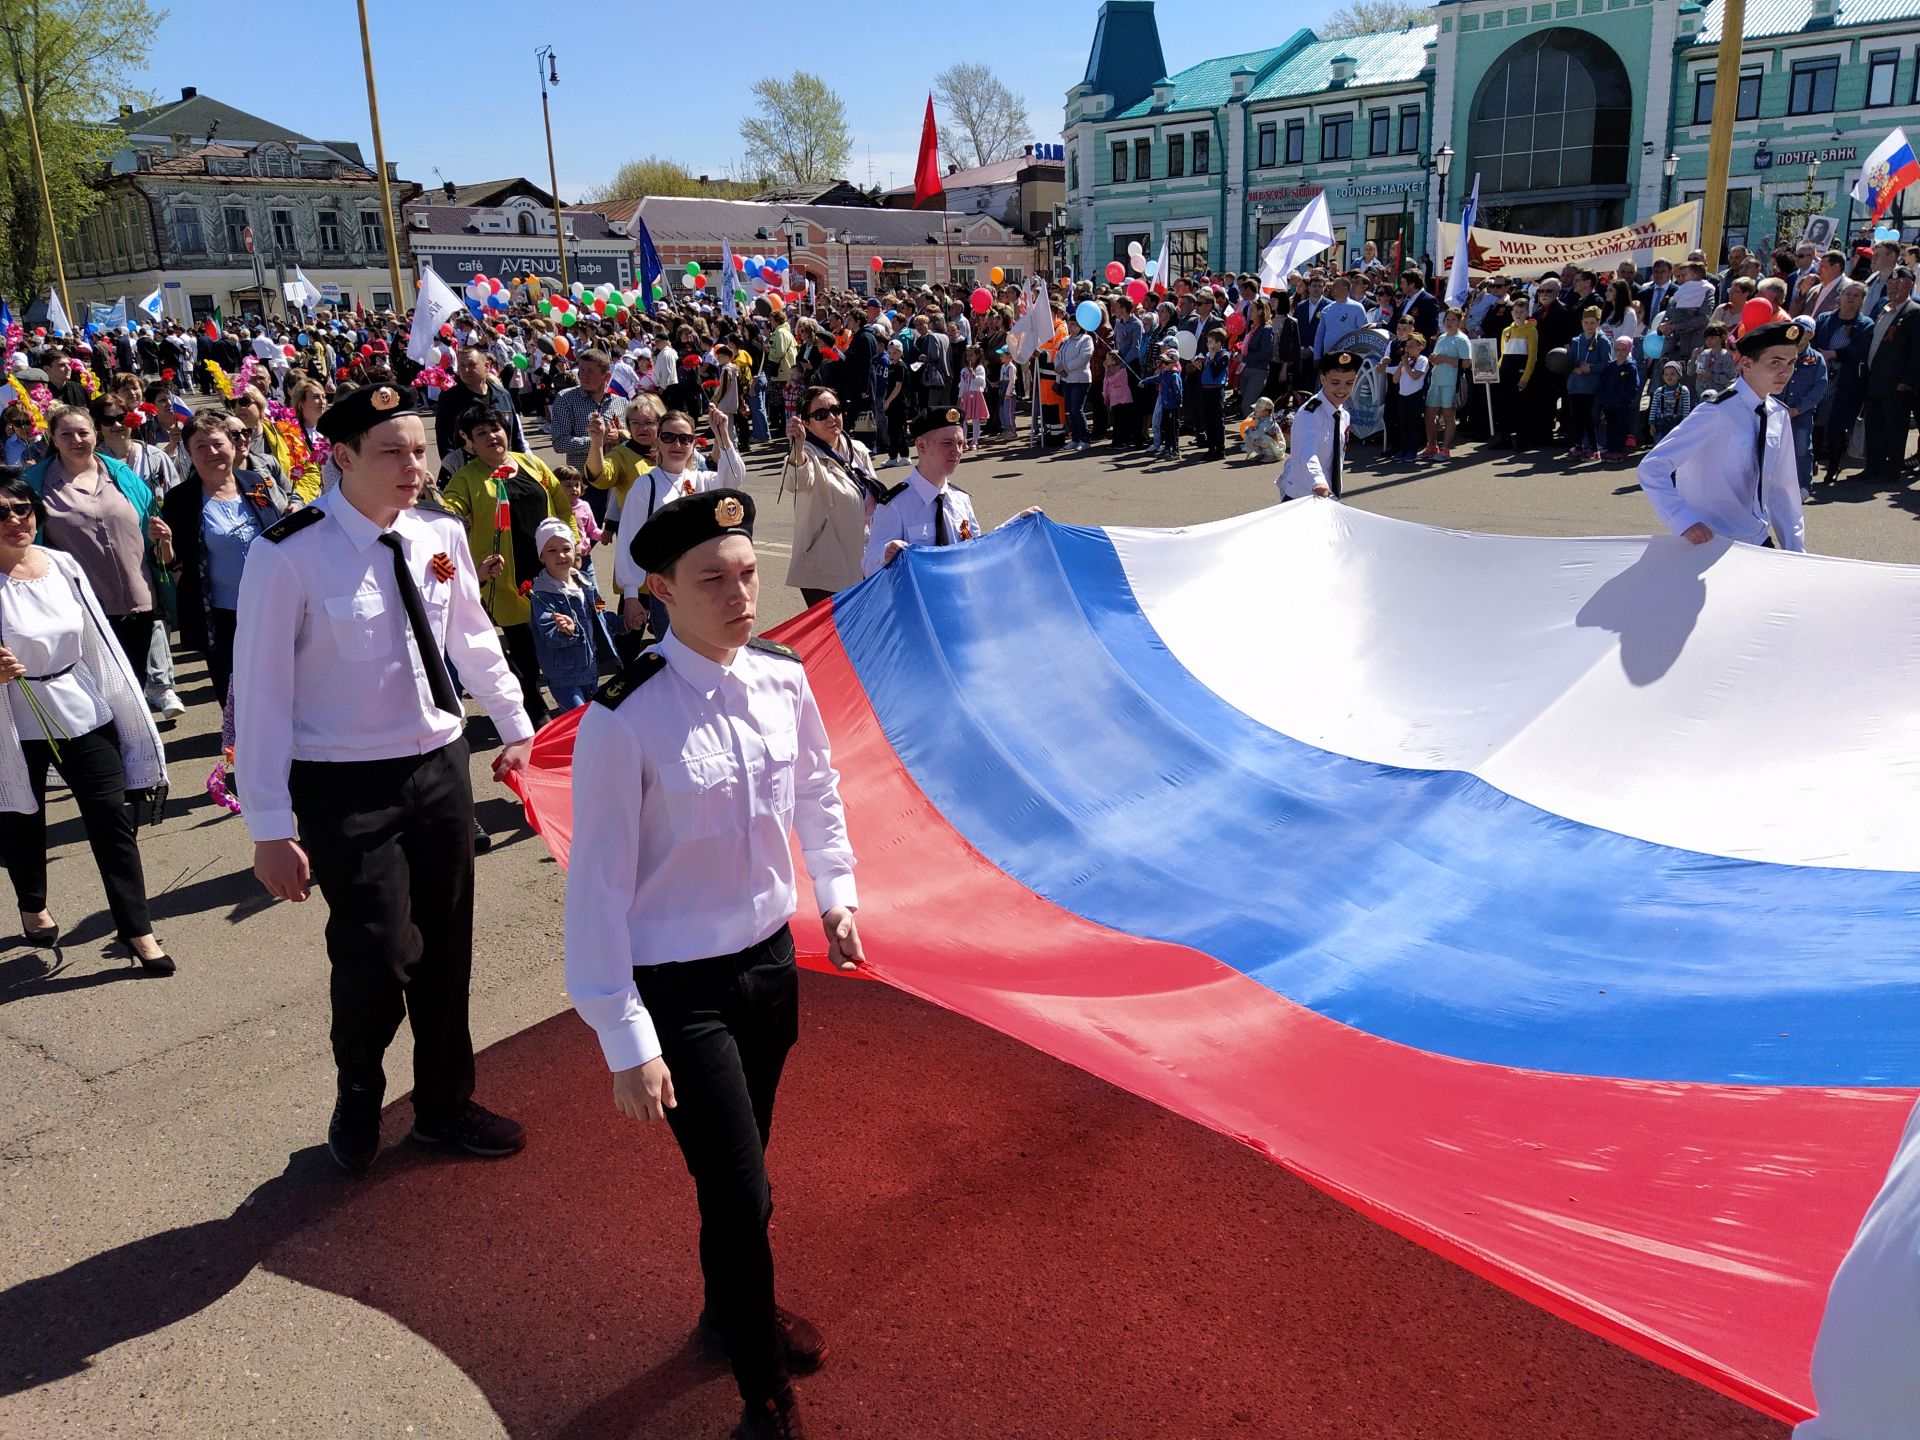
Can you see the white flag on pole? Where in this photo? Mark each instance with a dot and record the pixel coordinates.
(434, 306)
(57, 320)
(1034, 328)
(728, 306)
(309, 292)
(151, 304)
(1459, 282)
(1306, 235)
(1162, 282)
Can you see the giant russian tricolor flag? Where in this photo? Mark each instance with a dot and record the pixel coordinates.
(1551, 901)
(1890, 169)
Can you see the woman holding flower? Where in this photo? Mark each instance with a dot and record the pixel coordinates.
(503, 495)
(114, 423)
(72, 701)
(211, 520)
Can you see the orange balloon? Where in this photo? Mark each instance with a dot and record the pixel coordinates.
(562, 344)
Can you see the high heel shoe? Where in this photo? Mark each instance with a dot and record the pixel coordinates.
(161, 964)
(46, 939)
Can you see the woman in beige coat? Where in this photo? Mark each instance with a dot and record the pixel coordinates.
(832, 479)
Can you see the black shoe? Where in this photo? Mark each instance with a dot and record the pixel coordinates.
(353, 1135)
(474, 1129)
(46, 938)
(161, 964)
(482, 842)
(803, 1349)
(776, 1418)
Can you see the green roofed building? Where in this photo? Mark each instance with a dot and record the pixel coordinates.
(1577, 115)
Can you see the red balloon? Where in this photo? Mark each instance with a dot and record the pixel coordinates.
(446, 332)
(1136, 290)
(1236, 323)
(875, 263)
(739, 262)
(494, 285)
(287, 350)
(1116, 272)
(699, 282)
(599, 307)
(1757, 311)
(366, 352)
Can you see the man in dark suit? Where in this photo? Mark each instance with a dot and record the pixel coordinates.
(1893, 378)
(1307, 316)
(1417, 305)
(1654, 295)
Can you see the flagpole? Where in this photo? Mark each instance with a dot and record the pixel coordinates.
(1726, 99)
(380, 169)
(46, 197)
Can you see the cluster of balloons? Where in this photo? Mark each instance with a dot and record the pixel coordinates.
(759, 267)
(1137, 262)
(488, 294)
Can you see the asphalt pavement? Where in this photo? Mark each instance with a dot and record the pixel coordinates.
(160, 1136)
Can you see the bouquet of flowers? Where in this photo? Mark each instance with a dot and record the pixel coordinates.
(24, 396)
(222, 381)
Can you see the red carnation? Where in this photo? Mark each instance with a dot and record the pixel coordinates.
(526, 588)
(166, 374)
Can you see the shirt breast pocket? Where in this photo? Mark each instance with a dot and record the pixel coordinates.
(360, 626)
(782, 747)
(702, 794)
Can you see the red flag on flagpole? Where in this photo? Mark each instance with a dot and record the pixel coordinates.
(926, 174)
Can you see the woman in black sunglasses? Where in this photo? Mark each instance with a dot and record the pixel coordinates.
(835, 490)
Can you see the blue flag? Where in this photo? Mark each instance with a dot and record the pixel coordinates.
(6, 315)
(650, 267)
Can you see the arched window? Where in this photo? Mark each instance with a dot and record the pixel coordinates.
(1555, 113)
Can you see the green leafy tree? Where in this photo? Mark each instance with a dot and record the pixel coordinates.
(800, 136)
(656, 176)
(985, 121)
(74, 58)
(1373, 17)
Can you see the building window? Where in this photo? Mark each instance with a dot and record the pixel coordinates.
(1119, 162)
(1746, 105)
(234, 217)
(1811, 92)
(1269, 146)
(188, 237)
(1915, 97)
(1123, 244)
(372, 240)
(330, 232)
(1336, 137)
(1176, 156)
(283, 230)
(965, 275)
(1555, 112)
(1202, 153)
(382, 300)
(1073, 171)
(1014, 273)
(1881, 68)
(1186, 251)
(1409, 129)
(1379, 132)
(1296, 142)
(1384, 232)
(1143, 159)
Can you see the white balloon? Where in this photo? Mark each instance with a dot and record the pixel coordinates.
(1134, 248)
(1186, 344)
(1137, 262)
(686, 282)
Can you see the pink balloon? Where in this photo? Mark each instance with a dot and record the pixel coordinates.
(982, 300)
(1116, 272)
(1136, 290)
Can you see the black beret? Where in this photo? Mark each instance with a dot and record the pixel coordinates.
(359, 410)
(679, 525)
(933, 420)
(1765, 337)
(1339, 360)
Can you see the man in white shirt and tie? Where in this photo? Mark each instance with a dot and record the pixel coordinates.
(351, 729)
(691, 769)
(924, 509)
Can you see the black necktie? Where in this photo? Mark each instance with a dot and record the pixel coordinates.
(1338, 446)
(1760, 460)
(438, 681)
(940, 533)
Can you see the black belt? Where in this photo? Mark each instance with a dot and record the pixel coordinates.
(54, 676)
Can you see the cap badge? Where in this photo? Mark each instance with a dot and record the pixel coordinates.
(1793, 333)
(953, 417)
(729, 513)
(1345, 359)
(384, 398)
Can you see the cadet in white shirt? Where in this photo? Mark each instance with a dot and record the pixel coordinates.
(690, 770)
(351, 732)
(1316, 448)
(679, 473)
(924, 509)
(1728, 468)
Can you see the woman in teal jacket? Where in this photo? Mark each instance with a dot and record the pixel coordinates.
(103, 514)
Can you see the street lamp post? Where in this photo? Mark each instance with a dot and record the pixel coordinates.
(1667, 167)
(845, 237)
(1259, 209)
(1442, 168)
(549, 73)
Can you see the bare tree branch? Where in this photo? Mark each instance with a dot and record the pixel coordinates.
(985, 121)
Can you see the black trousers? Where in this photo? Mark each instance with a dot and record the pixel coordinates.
(1888, 418)
(223, 623)
(725, 1028)
(135, 634)
(90, 764)
(391, 844)
(524, 661)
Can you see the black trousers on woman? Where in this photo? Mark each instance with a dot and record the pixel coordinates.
(90, 764)
(725, 1028)
(391, 845)
(224, 624)
(135, 634)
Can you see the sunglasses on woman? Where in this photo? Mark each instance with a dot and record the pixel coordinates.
(119, 419)
(676, 437)
(826, 412)
(16, 510)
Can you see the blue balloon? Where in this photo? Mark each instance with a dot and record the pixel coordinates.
(1089, 315)
(1653, 345)
(751, 268)
(302, 340)
(780, 264)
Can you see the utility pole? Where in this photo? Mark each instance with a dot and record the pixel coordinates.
(380, 165)
(551, 71)
(1726, 100)
(46, 195)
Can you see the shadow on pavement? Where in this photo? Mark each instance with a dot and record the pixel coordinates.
(995, 1244)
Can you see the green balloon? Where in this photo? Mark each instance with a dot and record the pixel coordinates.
(521, 362)
(659, 292)
(546, 307)
(693, 267)
(570, 319)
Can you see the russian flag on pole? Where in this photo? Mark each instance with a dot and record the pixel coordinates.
(1890, 169)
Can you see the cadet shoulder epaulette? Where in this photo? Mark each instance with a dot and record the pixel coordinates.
(1722, 398)
(894, 494)
(642, 668)
(293, 522)
(1311, 405)
(960, 489)
(773, 647)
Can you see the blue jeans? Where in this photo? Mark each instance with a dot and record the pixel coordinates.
(757, 406)
(1074, 395)
(568, 697)
(877, 396)
(1803, 449)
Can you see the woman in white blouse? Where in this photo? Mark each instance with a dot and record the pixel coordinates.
(85, 714)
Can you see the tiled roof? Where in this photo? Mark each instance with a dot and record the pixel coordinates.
(1206, 86)
(489, 192)
(1789, 17)
(199, 114)
(997, 173)
(454, 219)
(196, 164)
(680, 218)
(1380, 59)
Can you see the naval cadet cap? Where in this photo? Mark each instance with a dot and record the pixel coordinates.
(933, 420)
(1339, 360)
(359, 410)
(679, 525)
(1765, 337)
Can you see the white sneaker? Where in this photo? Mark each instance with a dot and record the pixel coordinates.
(171, 706)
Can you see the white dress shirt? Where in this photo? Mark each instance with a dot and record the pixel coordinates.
(909, 517)
(1318, 427)
(324, 663)
(666, 367)
(683, 800)
(43, 623)
(1702, 473)
(658, 487)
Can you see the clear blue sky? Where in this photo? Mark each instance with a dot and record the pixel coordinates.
(457, 86)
